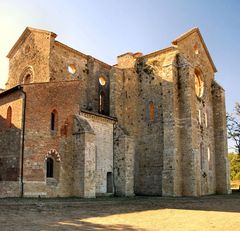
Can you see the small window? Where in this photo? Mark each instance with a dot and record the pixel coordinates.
(206, 119)
(196, 50)
(102, 81)
(27, 79)
(101, 102)
(72, 68)
(50, 165)
(151, 111)
(209, 158)
(9, 117)
(109, 182)
(202, 156)
(53, 120)
(199, 116)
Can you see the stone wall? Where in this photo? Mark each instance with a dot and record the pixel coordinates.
(31, 57)
(10, 144)
(169, 137)
(69, 64)
(220, 136)
(103, 130)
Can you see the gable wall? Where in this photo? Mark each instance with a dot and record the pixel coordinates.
(34, 52)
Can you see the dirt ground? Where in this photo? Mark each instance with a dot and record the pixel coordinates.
(138, 213)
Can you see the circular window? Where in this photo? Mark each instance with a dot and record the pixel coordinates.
(102, 81)
(72, 69)
(199, 85)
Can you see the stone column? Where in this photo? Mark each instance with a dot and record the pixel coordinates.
(124, 152)
(220, 137)
(171, 175)
(84, 159)
(189, 147)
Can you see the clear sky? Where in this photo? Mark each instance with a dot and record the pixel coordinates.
(107, 28)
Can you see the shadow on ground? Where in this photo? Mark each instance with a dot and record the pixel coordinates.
(71, 213)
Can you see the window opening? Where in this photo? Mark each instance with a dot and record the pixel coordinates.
(199, 85)
(109, 182)
(199, 117)
(102, 81)
(151, 111)
(202, 156)
(49, 167)
(72, 68)
(206, 119)
(53, 120)
(9, 117)
(27, 79)
(101, 102)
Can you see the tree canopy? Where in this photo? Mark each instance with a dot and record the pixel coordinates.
(235, 166)
(233, 127)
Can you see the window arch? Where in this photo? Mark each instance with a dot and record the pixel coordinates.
(101, 102)
(50, 167)
(27, 79)
(199, 84)
(26, 76)
(151, 111)
(54, 120)
(9, 117)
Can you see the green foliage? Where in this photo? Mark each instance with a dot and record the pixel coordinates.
(235, 166)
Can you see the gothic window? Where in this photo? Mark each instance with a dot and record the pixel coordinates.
(27, 79)
(151, 111)
(9, 117)
(199, 116)
(26, 76)
(101, 102)
(206, 119)
(53, 120)
(209, 158)
(199, 85)
(50, 166)
(202, 156)
(196, 50)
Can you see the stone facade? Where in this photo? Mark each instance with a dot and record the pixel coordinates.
(72, 125)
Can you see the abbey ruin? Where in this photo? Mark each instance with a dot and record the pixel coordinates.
(72, 125)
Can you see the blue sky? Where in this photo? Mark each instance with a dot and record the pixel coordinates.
(107, 28)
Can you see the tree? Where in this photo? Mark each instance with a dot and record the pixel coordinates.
(233, 127)
(235, 166)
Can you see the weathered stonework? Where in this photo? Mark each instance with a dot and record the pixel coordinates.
(72, 125)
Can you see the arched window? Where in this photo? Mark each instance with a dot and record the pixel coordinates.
(101, 102)
(209, 158)
(9, 117)
(202, 156)
(206, 119)
(26, 76)
(199, 85)
(50, 166)
(151, 111)
(54, 120)
(200, 116)
(27, 79)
